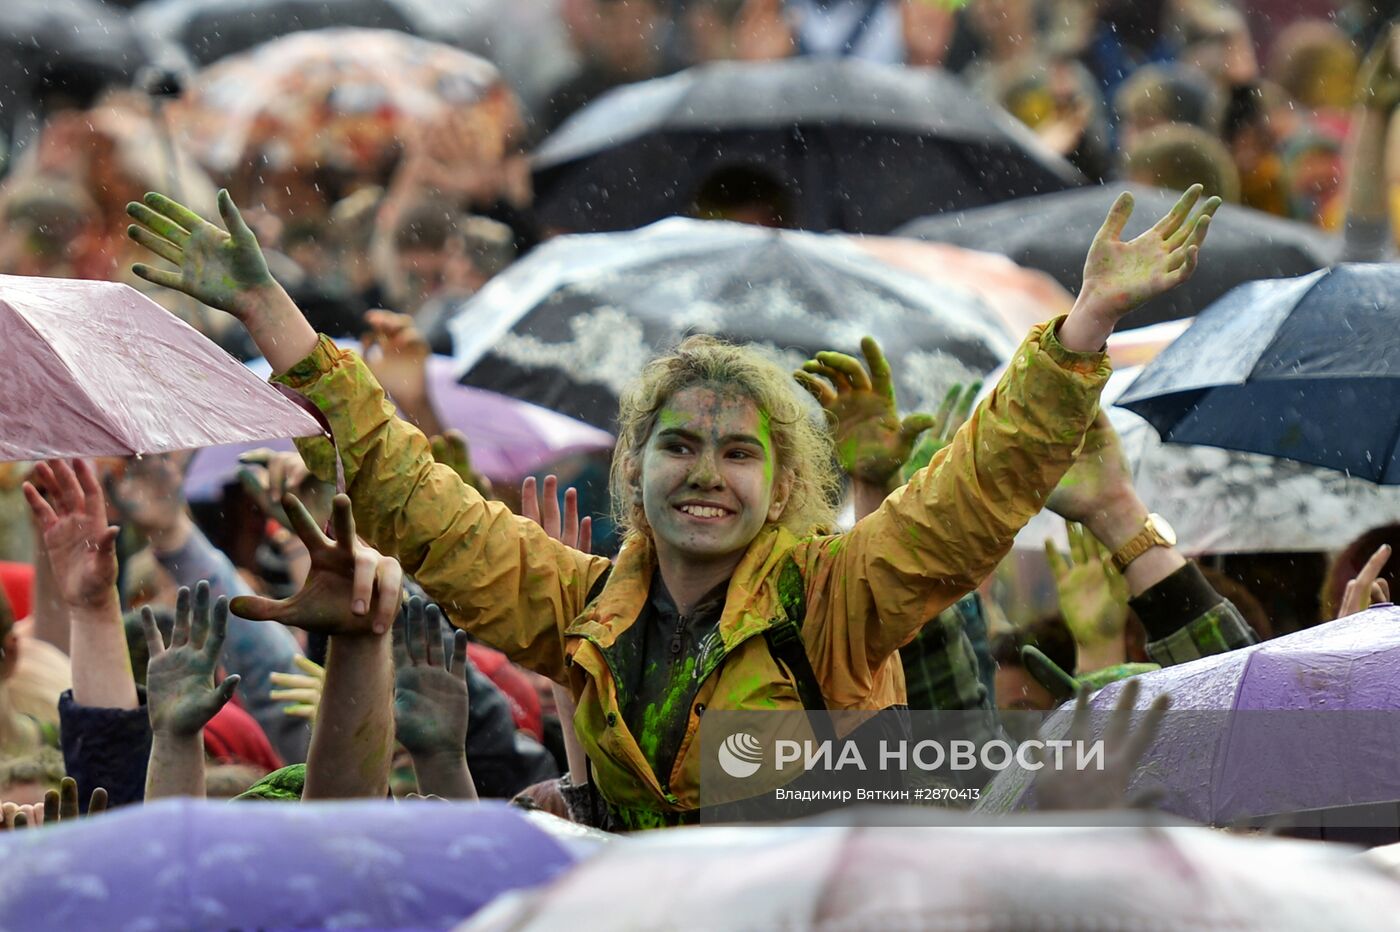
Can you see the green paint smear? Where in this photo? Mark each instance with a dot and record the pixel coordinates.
(658, 715)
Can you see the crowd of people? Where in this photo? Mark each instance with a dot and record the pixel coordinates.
(371, 616)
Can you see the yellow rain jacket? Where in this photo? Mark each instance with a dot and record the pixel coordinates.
(867, 592)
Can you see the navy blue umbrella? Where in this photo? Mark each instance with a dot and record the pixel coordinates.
(1305, 368)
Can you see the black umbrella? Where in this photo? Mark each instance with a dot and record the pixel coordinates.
(571, 324)
(69, 47)
(858, 146)
(1303, 368)
(1052, 233)
(211, 29)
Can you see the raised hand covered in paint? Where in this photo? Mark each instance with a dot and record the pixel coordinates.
(1119, 276)
(60, 805)
(952, 414)
(73, 521)
(871, 441)
(180, 690)
(351, 588)
(1093, 597)
(224, 268)
(430, 691)
(1082, 789)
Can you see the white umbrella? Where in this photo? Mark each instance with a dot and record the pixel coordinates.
(1025, 874)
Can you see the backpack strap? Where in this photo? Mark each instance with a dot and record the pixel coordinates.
(785, 639)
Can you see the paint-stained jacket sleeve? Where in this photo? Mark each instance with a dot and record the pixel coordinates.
(936, 538)
(495, 574)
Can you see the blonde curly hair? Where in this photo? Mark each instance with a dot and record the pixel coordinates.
(802, 444)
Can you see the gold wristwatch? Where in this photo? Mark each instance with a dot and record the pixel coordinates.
(1156, 532)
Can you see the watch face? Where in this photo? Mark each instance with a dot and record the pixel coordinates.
(1163, 529)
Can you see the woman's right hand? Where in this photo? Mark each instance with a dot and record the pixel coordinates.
(225, 270)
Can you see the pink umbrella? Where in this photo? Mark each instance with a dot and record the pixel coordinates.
(97, 369)
(509, 439)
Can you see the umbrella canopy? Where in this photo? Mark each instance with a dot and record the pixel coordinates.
(82, 43)
(1052, 233)
(1023, 874)
(568, 326)
(508, 439)
(197, 865)
(1286, 726)
(1303, 368)
(1225, 501)
(97, 369)
(1021, 297)
(861, 147)
(335, 98)
(212, 29)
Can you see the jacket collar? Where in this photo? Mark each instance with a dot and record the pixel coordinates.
(751, 603)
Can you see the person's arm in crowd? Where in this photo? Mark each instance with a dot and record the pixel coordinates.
(181, 696)
(150, 496)
(1368, 174)
(1184, 617)
(71, 512)
(352, 743)
(938, 537)
(409, 507)
(431, 702)
(49, 614)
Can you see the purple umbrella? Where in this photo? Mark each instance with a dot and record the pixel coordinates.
(191, 865)
(98, 369)
(1304, 723)
(509, 439)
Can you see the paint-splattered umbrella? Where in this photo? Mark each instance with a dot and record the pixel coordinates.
(197, 865)
(509, 439)
(1295, 726)
(859, 146)
(569, 325)
(1052, 233)
(1023, 874)
(333, 99)
(97, 369)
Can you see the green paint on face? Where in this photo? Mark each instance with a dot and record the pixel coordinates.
(765, 434)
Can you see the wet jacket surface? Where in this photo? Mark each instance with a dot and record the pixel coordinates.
(866, 592)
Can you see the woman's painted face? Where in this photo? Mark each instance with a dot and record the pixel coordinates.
(707, 475)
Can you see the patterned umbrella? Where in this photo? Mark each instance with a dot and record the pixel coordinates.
(197, 865)
(342, 99)
(568, 326)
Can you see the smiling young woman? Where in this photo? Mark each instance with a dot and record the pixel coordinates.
(727, 594)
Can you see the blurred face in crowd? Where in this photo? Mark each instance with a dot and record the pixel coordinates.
(707, 475)
(620, 36)
(1315, 181)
